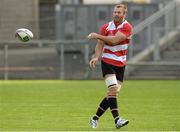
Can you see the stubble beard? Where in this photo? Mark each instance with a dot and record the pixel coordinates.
(118, 20)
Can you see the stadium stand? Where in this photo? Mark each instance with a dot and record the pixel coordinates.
(148, 58)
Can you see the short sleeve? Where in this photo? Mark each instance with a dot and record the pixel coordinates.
(126, 29)
(103, 30)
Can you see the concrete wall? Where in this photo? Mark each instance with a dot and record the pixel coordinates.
(15, 14)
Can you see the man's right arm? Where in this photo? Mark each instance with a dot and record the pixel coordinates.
(98, 48)
(98, 51)
(122, 34)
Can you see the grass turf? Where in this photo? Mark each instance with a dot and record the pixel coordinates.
(68, 105)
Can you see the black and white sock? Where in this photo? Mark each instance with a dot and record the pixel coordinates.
(114, 107)
(104, 105)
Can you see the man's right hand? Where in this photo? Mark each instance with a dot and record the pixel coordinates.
(92, 62)
(92, 36)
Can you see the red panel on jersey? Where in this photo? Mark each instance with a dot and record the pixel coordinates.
(114, 62)
(126, 30)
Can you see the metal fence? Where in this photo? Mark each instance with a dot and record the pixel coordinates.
(42, 60)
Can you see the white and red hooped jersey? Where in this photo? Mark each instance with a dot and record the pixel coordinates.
(116, 55)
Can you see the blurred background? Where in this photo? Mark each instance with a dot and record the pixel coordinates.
(60, 49)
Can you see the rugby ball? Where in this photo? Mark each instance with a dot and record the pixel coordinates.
(24, 34)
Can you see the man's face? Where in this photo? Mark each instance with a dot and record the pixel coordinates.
(118, 14)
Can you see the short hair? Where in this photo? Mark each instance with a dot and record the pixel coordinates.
(122, 5)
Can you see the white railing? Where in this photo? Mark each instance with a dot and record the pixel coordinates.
(153, 18)
(59, 47)
(164, 14)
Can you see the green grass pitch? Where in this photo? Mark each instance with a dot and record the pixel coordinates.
(68, 105)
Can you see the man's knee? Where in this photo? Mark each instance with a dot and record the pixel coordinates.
(112, 91)
(112, 84)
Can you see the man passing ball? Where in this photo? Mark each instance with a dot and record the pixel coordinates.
(111, 47)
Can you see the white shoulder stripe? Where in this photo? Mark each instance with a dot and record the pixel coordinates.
(111, 26)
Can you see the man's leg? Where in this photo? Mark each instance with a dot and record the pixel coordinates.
(103, 106)
(113, 89)
(112, 84)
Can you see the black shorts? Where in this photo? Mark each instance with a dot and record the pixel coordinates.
(110, 69)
